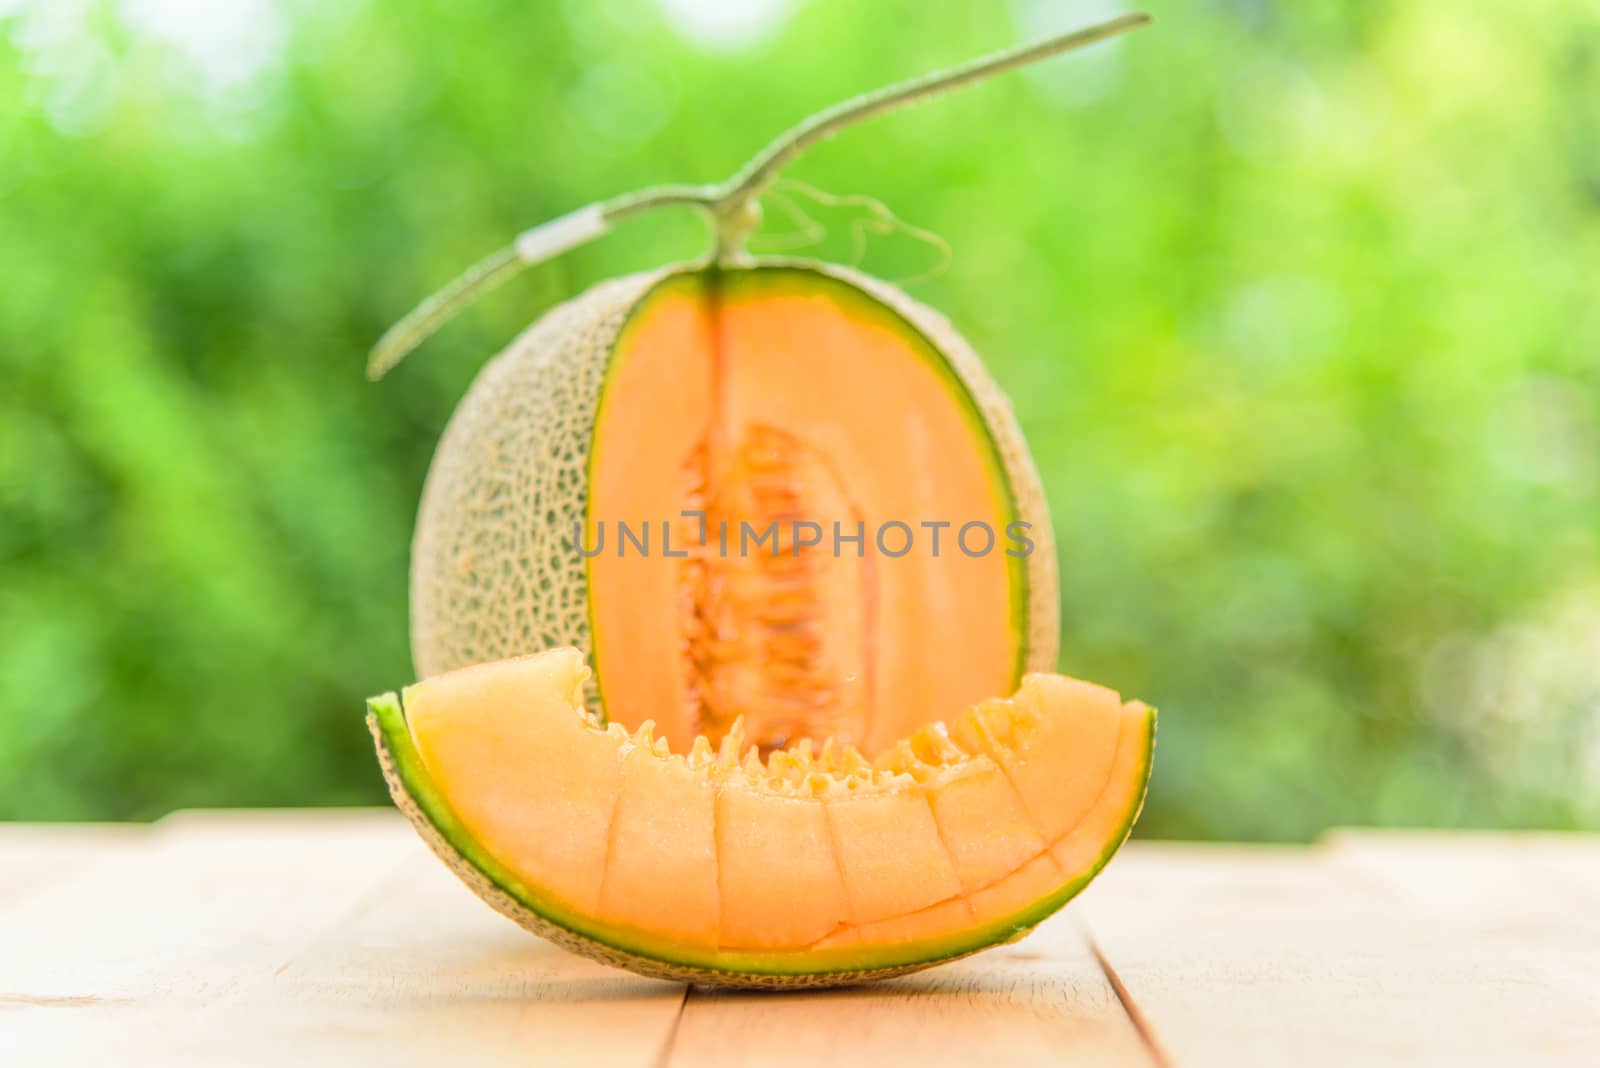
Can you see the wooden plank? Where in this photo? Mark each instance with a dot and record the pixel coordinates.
(1272, 956)
(333, 938)
(309, 938)
(198, 896)
(1043, 1001)
(124, 960)
(1480, 876)
(427, 974)
(35, 856)
(1528, 897)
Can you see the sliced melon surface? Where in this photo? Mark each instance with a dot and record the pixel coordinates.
(807, 867)
(759, 399)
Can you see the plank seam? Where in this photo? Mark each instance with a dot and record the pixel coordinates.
(664, 1058)
(1141, 1023)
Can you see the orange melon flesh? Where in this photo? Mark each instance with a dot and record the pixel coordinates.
(758, 834)
(1054, 803)
(982, 820)
(1041, 874)
(890, 854)
(770, 394)
(541, 799)
(661, 858)
(805, 860)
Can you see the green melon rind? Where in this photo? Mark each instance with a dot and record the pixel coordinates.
(416, 795)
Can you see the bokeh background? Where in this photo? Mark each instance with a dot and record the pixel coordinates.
(1299, 304)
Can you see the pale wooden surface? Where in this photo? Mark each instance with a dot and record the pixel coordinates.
(334, 938)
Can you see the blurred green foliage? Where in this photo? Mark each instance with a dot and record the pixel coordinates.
(1299, 304)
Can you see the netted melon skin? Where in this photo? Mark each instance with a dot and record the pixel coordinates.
(493, 570)
(494, 573)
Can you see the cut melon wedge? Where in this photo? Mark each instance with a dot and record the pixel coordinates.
(809, 868)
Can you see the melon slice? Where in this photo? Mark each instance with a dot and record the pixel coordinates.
(811, 866)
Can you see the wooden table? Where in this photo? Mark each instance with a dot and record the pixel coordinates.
(333, 938)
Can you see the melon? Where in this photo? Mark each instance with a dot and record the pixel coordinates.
(783, 492)
(810, 866)
(721, 575)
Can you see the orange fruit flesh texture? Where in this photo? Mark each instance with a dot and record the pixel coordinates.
(720, 850)
(776, 395)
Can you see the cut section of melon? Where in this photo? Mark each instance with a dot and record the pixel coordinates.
(793, 489)
(811, 867)
(763, 398)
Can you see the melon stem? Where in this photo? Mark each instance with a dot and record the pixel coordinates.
(732, 207)
(735, 219)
